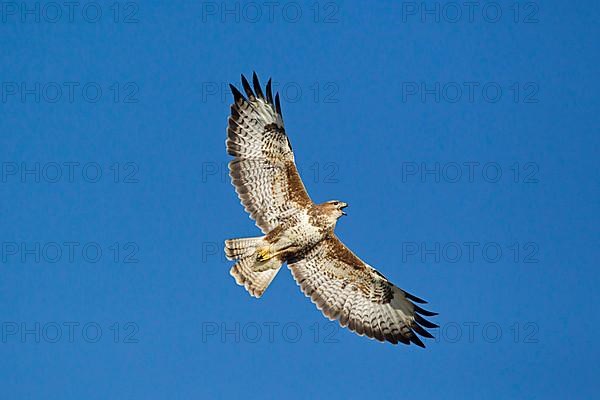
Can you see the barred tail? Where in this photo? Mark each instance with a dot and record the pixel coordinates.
(239, 248)
(250, 271)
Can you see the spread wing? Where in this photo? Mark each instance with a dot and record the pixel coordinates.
(347, 289)
(263, 170)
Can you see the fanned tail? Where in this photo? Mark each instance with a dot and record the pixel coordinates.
(252, 272)
(236, 249)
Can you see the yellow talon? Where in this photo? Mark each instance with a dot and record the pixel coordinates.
(263, 253)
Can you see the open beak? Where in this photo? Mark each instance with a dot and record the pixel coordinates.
(342, 208)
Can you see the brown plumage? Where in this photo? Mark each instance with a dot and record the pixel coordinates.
(301, 233)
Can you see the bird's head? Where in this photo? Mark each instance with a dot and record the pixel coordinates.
(335, 208)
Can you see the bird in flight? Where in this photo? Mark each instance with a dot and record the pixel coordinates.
(299, 232)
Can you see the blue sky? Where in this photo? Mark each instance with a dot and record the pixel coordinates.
(464, 140)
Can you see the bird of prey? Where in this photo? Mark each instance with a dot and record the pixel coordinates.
(299, 232)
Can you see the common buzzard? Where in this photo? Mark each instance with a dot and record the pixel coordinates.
(301, 233)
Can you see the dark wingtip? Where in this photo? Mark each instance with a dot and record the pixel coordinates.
(256, 84)
(414, 298)
(421, 331)
(247, 88)
(403, 340)
(424, 322)
(415, 339)
(277, 104)
(424, 312)
(269, 92)
(237, 95)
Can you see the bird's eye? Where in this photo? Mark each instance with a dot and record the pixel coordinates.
(335, 203)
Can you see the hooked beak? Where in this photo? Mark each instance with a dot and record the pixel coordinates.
(342, 208)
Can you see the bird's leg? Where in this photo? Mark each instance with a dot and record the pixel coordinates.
(265, 253)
